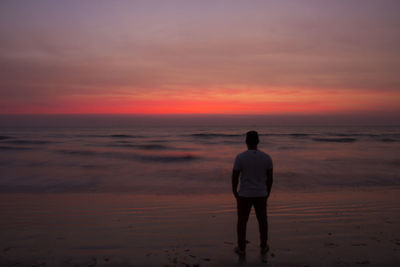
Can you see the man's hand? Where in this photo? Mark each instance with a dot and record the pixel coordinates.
(235, 182)
(270, 180)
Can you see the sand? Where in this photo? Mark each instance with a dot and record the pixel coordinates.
(357, 227)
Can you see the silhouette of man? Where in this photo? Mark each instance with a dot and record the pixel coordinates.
(254, 168)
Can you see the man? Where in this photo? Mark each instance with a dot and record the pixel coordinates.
(254, 168)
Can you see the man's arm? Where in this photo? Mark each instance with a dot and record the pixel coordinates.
(270, 180)
(235, 182)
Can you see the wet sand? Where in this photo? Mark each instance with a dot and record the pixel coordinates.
(341, 228)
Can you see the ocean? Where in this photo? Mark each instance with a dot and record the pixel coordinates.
(193, 159)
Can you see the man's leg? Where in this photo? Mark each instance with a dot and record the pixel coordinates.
(243, 211)
(260, 206)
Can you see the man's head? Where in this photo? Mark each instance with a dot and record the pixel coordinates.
(252, 138)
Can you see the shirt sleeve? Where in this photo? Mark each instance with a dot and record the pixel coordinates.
(237, 166)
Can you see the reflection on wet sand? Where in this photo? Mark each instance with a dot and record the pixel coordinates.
(123, 229)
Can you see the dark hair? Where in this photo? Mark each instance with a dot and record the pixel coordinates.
(252, 138)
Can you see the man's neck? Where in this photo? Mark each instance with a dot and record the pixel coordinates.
(252, 147)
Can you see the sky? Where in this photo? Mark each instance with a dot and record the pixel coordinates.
(200, 57)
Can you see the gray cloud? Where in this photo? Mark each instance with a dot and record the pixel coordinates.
(56, 49)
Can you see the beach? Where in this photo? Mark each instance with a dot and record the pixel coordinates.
(353, 228)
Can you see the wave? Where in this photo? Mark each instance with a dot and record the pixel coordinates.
(296, 135)
(299, 135)
(144, 146)
(388, 140)
(124, 136)
(131, 156)
(14, 148)
(209, 135)
(374, 136)
(153, 147)
(349, 139)
(337, 140)
(169, 158)
(352, 134)
(78, 152)
(27, 142)
(112, 136)
(91, 135)
(157, 141)
(271, 134)
(328, 137)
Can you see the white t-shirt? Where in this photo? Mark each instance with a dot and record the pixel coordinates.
(253, 165)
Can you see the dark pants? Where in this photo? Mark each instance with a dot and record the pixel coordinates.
(243, 210)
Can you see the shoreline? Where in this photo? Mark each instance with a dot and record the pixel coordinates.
(341, 228)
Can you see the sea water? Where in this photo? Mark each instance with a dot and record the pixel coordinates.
(193, 159)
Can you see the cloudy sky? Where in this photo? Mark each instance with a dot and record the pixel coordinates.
(225, 57)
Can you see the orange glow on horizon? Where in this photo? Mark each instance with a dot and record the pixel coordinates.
(217, 101)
